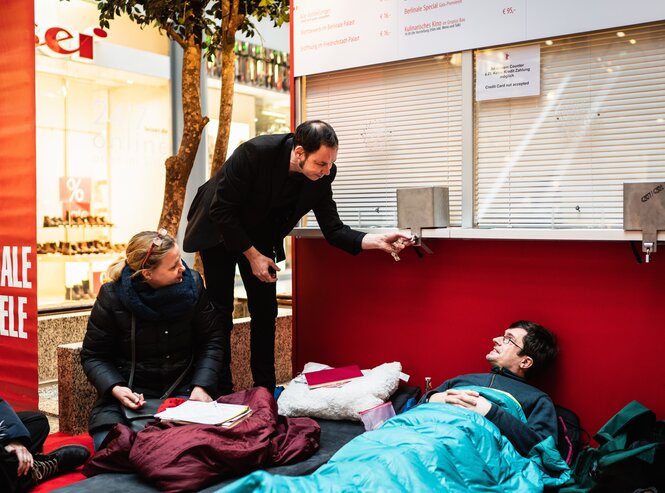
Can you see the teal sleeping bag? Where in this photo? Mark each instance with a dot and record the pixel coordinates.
(432, 447)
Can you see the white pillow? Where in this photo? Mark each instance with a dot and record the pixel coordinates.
(345, 402)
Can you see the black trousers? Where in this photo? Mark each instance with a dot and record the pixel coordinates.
(220, 268)
(37, 425)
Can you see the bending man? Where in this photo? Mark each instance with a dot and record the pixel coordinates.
(243, 213)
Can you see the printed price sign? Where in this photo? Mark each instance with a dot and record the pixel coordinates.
(75, 195)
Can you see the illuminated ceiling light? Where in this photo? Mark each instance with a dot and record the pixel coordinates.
(621, 34)
(549, 42)
(632, 41)
(660, 120)
(129, 81)
(609, 70)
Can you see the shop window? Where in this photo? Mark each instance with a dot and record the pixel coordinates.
(558, 160)
(101, 145)
(255, 65)
(399, 125)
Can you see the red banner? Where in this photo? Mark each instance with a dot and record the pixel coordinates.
(18, 267)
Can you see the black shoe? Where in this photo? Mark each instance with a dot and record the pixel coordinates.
(61, 460)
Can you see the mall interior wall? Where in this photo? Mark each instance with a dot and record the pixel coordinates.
(531, 168)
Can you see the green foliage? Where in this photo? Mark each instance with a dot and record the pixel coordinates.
(276, 10)
(201, 18)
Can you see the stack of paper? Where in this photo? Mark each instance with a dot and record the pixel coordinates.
(208, 413)
(238, 419)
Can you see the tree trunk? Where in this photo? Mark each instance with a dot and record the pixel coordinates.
(179, 167)
(231, 19)
(225, 108)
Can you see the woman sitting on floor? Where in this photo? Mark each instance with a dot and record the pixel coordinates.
(152, 332)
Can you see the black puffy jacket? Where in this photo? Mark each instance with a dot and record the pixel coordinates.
(163, 351)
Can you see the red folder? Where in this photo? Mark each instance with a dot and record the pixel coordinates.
(332, 377)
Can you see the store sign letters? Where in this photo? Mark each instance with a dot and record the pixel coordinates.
(14, 274)
(59, 42)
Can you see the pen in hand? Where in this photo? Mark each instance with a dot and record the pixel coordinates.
(140, 400)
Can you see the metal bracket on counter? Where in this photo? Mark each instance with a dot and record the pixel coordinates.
(644, 209)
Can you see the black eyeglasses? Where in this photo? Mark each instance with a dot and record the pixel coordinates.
(508, 339)
(157, 241)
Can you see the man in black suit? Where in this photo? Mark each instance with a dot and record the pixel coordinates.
(242, 214)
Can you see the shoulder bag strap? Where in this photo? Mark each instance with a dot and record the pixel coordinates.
(178, 380)
(131, 373)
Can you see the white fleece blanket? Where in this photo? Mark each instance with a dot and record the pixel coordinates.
(345, 402)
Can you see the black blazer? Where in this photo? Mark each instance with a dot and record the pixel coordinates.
(233, 206)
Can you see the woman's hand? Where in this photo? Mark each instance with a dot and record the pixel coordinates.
(199, 394)
(23, 456)
(127, 397)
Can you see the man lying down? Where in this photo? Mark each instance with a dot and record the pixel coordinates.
(477, 432)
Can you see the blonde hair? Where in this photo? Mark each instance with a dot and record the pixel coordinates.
(136, 251)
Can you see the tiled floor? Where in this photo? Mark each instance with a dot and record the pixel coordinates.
(48, 404)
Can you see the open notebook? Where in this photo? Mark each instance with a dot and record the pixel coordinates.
(209, 413)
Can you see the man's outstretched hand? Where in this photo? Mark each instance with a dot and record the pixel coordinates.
(391, 243)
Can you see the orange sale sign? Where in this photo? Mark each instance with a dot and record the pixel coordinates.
(18, 229)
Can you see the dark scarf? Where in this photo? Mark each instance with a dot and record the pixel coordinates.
(164, 303)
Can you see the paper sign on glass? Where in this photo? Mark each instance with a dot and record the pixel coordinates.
(508, 73)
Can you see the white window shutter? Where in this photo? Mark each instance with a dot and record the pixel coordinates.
(559, 160)
(399, 125)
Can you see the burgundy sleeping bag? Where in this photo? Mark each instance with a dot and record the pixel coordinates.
(187, 457)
